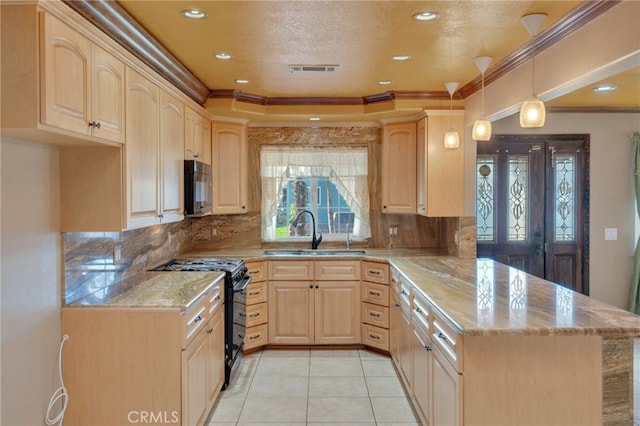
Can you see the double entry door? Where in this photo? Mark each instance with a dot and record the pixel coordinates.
(532, 205)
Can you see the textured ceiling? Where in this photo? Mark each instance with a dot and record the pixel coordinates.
(265, 37)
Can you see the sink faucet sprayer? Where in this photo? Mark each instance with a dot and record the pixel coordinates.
(314, 242)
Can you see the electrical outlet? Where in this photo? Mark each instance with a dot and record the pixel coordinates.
(393, 230)
(117, 254)
(610, 234)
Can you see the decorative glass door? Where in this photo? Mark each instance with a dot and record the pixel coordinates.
(532, 205)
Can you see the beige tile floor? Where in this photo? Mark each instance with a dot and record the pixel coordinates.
(324, 387)
(316, 388)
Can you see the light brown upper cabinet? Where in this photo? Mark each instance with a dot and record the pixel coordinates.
(229, 168)
(153, 119)
(440, 171)
(196, 138)
(399, 168)
(58, 86)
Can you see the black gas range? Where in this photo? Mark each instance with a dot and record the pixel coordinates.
(236, 281)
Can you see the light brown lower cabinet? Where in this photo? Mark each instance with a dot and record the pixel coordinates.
(143, 365)
(498, 379)
(314, 302)
(308, 312)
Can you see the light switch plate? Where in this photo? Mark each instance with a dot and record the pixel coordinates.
(610, 234)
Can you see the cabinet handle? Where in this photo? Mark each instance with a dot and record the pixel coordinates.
(374, 314)
(374, 293)
(217, 297)
(209, 331)
(404, 292)
(240, 314)
(317, 287)
(257, 314)
(372, 272)
(244, 207)
(311, 286)
(427, 347)
(397, 305)
(442, 336)
(254, 293)
(257, 336)
(394, 280)
(254, 272)
(198, 318)
(196, 155)
(373, 336)
(418, 310)
(95, 124)
(160, 215)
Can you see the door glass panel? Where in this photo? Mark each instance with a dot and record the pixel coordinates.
(518, 186)
(565, 197)
(485, 200)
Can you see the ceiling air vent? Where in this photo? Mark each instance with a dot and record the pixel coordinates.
(316, 68)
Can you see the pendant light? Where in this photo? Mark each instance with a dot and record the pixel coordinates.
(451, 138)
(482, 127)
(532, 111)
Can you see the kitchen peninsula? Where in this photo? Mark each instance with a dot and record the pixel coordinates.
(519, 349)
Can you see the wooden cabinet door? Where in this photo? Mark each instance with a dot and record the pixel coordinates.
(444, 170)
(291, 318)
(229, 170)
(421, 168)
(171, 158)
(394, 329)
(215, 356)
(194, 381)
(107, 95)
(206, 141)
(422, 353)
(406, 355)
(194, 140)
(142, 150)
(447, 394)
(399, 168)
(337, 312)
(66, 77)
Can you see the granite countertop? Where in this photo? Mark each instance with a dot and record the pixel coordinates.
(168, 290)
(484, 297)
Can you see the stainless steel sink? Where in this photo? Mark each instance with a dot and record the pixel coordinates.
(314, 252)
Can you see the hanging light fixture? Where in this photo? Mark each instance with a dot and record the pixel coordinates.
(482, 127)
(532, 111)
(451, 138)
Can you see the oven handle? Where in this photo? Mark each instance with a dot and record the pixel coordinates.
(242, 285)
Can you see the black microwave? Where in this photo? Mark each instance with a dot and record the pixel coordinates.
(197, 188)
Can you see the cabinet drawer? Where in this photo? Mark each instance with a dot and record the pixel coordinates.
(256, 314)
(194, 320)
(375, 336)
(420, 313)
(256, 293)
(337, 270)
(395, 281)
(215, 298)
(375, 293)
(255, 337)
(257, 271)
(447, 340)
(375, 272)
(375, 315)
(291, 270)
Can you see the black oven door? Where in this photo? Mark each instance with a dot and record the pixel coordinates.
(197, 188)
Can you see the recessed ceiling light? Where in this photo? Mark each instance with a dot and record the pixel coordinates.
(401, 57)
(603, 88)
(384, 82)
(425, 16)
(241, 81)
(223, 56)
(314, 118)
(194, 14)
